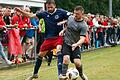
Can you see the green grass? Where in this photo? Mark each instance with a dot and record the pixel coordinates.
(101, 64)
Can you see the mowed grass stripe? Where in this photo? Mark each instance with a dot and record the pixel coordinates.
(101, 64)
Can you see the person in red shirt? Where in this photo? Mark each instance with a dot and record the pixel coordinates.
(2, 25)
(14, 45)
(100, 34)
(91, 26)
(27, 43)
(16, 33)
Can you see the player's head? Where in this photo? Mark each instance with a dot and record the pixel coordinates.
(78, 12)
(50, 6)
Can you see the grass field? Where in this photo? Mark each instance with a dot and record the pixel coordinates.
(101, 64)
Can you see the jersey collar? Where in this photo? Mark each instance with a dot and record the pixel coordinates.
(53, 12)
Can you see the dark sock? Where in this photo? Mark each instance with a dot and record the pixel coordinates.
(50, 57)
(80, 69)
(60, 60)
(37, 64)
(64, 69)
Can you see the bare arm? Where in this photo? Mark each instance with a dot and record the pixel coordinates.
(27, 14)
(79, 43)
(64, 29)
(62, 22)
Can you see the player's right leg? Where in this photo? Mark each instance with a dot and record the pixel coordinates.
(45, 47)
(66, 51)
(37, 65)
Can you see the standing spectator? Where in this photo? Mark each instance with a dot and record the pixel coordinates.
(14, 45)
(91, 31)
(2, 24)
(28, 40)
(118, 32)
(7, 20)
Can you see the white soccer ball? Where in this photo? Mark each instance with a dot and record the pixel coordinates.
(72, 74)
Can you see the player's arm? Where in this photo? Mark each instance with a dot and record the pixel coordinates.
(79, 43)
(62, 22)
(64, 28)
(27, 14)
(82, 37)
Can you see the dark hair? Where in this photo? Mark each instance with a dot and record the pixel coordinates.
(50, 2)
(79, 8)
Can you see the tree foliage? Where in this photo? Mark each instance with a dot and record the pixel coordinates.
(91, 6)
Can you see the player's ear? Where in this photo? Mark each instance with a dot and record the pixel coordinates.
(82, 12)
(55, 5)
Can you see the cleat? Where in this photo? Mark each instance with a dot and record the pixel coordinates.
(84, 77)
(61, 77)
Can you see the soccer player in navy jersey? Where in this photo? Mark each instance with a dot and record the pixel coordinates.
(53, 38)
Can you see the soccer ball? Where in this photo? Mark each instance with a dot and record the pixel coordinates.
(72, 74)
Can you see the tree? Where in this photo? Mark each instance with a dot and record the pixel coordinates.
(91, 6)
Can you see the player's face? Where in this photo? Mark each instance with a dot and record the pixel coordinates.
(78, 14)
(50, 7)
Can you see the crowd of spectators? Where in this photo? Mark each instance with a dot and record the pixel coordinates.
(18, 33)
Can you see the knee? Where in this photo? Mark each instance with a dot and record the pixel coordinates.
(39, 57)
(42, 54)
(77, 63)
(59, 47)
(66, 59)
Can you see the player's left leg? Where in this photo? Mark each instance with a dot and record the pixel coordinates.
(79, 67)
(59, 59)
(66, 51)
(59, 42)
(76, 56)
(37, 65)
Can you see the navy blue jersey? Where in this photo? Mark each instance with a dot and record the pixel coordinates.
(51, 20)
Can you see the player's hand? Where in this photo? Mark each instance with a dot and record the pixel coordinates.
(4, 27)
(74, 46)
(39, 29)
(62, 22)
(61, 33)
(25, 25)
(17, 9)
(14, 26)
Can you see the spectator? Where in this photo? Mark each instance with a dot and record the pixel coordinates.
(2, 24)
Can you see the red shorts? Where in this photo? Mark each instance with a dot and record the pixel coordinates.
(51, 43)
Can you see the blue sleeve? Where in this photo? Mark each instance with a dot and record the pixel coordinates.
(33, 22)
(40, 15)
